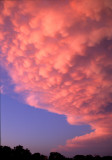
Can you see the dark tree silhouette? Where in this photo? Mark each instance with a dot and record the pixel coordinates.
(19, 153)
(97, 157)
(89, 157)
(6, 152)
(56, 156)
(107, 158)
(42, 157)
(35, 156)
(79, 157)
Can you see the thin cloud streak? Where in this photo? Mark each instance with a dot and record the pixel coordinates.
(58, 55)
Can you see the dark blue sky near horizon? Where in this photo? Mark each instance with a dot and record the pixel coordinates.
(56, 75)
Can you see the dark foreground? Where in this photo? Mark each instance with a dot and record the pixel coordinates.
(19, 153)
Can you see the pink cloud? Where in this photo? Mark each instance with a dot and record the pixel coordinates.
(62, 58)
(1, 89)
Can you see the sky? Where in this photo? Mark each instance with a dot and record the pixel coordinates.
(56, 75)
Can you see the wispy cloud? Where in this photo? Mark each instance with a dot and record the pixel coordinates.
(59, 54)
(1, 89)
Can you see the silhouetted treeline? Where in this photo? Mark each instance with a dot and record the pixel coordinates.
(19, 153)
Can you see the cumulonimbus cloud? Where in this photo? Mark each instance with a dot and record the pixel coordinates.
(59, 53)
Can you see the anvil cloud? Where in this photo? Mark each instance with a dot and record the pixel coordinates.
(59, 56)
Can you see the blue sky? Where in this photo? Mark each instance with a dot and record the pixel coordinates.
(36, 129)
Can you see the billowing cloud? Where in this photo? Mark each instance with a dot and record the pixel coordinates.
(59, 55)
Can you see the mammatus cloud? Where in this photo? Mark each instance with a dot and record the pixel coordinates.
(59, 55)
